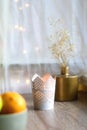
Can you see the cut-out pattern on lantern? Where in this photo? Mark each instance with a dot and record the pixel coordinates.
(43, 90)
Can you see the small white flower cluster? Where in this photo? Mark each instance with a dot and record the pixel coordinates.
(62, 48)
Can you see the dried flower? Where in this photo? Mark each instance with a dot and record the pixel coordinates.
(62, 48)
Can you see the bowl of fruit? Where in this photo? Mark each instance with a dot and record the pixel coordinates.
(13, 111)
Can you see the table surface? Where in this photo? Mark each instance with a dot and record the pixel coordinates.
(65, 115)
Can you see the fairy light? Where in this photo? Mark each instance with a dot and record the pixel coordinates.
(27, 5)
(27, 81)
(18, 81)
(24, 52)
(16, 0)
(37, 49)
(16, 27)
(21, 28)
(20, 8)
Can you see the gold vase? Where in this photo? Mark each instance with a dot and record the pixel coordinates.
(83, 83)
(66, 85)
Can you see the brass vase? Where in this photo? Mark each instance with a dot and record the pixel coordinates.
(66, 86)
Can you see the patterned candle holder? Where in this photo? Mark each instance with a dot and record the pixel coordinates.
(43, 90)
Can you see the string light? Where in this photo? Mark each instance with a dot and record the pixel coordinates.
(20, 8)
(18, 81)
(37, 49)
(27, 81)
(24, 52)
(16, 0)
(21, 28)
(27, 5)
(16, 26)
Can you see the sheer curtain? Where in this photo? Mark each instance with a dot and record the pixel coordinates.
(24, 32)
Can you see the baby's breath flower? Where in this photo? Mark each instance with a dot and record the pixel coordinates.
(62, 48)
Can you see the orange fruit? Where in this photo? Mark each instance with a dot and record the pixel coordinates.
(1, 103)
(13, 102)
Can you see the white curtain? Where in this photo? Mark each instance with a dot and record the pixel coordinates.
(24, 32)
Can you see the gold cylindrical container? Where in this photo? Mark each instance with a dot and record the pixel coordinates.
(66, 86)
(83, 83)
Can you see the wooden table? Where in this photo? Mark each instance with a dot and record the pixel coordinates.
(65, 115)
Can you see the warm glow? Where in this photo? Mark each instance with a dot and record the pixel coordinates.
(18, 81)
(27, 5)
(16, 0)
(24, 52)
(46, 77)
(16, 26)
(37, 49)
(27, 81)
(21, 28)
(20, 8)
